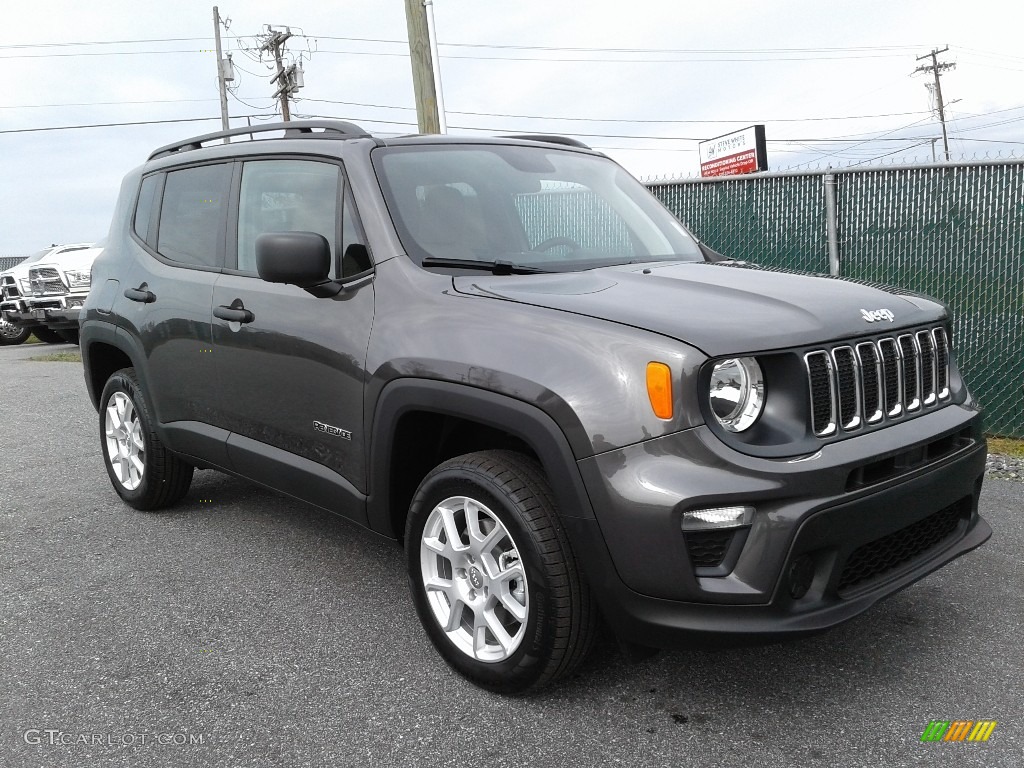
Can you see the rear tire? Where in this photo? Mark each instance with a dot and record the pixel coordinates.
(143, 472)
(68, 335)
(492, 575)
(46, 335)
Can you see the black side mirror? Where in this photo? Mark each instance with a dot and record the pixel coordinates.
(298, 258)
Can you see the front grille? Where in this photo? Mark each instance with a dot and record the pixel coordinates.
(45, 281)
(9, 288)
(890, 552)
(911, 368)
(707, 549)
(876, 380)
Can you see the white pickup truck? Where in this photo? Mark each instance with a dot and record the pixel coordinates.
(44, 294)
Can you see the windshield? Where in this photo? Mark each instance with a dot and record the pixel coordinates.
(551, 209)
(36, 256)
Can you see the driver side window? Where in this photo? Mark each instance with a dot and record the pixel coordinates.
(287, 196)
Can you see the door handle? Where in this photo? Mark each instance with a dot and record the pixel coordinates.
(236, 313)
(141, 294)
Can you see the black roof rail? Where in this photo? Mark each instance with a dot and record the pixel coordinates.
(292, 130)
(563, 140)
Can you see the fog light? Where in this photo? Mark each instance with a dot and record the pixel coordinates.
(717, 517)
(801, 574)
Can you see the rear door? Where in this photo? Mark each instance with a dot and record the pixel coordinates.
(166, 297)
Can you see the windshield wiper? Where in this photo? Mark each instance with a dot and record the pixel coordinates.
(497, 267)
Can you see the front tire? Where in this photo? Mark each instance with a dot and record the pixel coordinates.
(492, 575)
(11, 334)
(143, 472)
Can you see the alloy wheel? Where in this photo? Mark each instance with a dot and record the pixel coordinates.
(474, 579)
(126, 448)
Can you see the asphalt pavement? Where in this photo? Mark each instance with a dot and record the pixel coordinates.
(245, 629)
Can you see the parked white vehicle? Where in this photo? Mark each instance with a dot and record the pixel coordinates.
(59, 288)
(19, 314)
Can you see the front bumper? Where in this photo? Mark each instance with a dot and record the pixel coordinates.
(53, 313)
(832, 534)
(16, 313)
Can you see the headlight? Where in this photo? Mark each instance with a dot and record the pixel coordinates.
(737, 393)
(78, 278)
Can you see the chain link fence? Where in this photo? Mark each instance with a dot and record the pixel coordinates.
(955, 232)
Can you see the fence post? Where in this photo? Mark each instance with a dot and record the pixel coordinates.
(832, 223)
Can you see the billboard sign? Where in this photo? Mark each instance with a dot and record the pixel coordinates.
(734, 153)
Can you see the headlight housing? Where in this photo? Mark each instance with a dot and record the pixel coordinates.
(736, 393)
(78, 278)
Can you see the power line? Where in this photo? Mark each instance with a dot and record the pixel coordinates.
(724, 120)
(118, 125)
(735, 55)
(108, 42)
(101, 53)
(392, 41)
(716, 60)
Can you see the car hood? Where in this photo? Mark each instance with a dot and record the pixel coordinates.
(73, 260)
(722, 309)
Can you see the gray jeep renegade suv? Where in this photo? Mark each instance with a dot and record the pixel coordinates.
(506, 354)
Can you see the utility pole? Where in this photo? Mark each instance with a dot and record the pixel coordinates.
(274, 42)
(442, 121)
(936, 69)
(225, 73)
(422, 67)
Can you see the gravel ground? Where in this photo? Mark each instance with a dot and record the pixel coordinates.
(1005, 467)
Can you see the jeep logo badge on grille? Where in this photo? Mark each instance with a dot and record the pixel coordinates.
(877, 315)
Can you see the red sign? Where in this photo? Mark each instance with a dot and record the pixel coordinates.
(734, 153)
(744, 162)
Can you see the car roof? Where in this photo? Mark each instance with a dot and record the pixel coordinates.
(343, 130)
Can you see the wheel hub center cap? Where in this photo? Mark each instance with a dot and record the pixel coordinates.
(476, 578)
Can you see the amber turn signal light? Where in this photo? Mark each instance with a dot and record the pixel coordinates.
(659, 389)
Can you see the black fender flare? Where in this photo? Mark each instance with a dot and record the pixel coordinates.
(523, 420)
(109, 335)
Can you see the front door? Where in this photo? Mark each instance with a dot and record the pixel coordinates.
(290, 377)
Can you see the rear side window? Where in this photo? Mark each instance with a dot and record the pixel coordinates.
(144, 208)
(192, 215)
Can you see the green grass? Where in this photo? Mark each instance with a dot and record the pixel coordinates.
(59, 357)
(1007, 446)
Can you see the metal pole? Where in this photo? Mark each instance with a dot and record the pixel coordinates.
(832, 223)
(221, 83)
(436, 61)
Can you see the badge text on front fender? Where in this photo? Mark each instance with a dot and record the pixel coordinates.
(344, 434)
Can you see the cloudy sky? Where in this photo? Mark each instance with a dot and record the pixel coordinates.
(641, 80)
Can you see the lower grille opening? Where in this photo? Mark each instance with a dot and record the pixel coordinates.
(890, 552)
(893, 466)
(707, 549)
